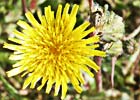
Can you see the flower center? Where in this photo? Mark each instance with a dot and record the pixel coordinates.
(56, 50)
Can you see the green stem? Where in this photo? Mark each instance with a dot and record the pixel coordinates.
(12, 91)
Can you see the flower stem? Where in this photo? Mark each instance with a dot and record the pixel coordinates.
(98, 76)
(112, 70)
(98, 60)
(90, 4)
(24, 8)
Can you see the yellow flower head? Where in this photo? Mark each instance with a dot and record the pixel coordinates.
(53, 51)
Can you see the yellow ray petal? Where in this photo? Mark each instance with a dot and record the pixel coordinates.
(25, 73)
(78, 88)
(16, 57)
(35, 80)
(48, 14)
(42, 18)
(85, 68)
(64, 89)
(72, 78)
(97, 53)
(45, 78)
(27, 81)
(24, 25)
(49, 85)
(80, 77)
(91, 64)
(57, 87)
(58, 13)
(93, 46)
(74, 10)
(16, 40)
(91, 39)
(14, 72)
(31, 19)
(19, 34)
(58, 81)
(85, 33)
(65, 12)
(11, 46)
(79, 30)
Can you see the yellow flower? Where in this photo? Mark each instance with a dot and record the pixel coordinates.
(53, 51)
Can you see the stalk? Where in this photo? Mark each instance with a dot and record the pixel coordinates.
(98, 60)
(24, 8)
(112, 70)
(98, 76)
(90, 4)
